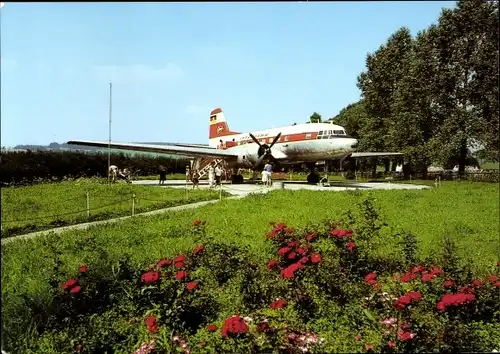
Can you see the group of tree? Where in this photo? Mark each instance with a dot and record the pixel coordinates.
(29, 166)
(435, 95)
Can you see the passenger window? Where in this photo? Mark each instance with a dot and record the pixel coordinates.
(308, 136)
(320, 132)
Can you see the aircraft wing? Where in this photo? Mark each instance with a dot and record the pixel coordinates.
(165, 149)
(374, 154)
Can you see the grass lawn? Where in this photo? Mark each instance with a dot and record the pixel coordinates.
(466, 212)
(43, 206)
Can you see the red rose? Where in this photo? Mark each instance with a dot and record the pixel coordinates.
(83, 268)
(370, 278)
(179, 261)
(350, 246)
(212, 327)
(448, 283)
(75, 290)
(164, 262)
(271, 264)
(198, 250)
(427, 277)
(391, 345)
(181, 275)
(278, 304)
(405, 336)
(234, 326)
(492, 278)
(191, 285)
(315, 258)
(69, 284)
(310, 237)
(196, 222)
(418, 269)
(477, 283)
(150, 277)
(292, 255)
(151, 324)
(284, 250)
(263, 327)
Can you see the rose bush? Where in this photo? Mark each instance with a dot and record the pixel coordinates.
(322, 291)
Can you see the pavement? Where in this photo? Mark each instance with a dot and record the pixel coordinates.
(254, 187)
(236, 190)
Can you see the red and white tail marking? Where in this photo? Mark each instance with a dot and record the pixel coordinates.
(218, 125)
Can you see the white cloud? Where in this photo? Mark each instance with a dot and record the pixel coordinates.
(137, 72)
(7, 64)
(196, 110)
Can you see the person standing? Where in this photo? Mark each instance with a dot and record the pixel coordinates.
(269, 170)
(112, 173)
(218, 174)
(196, 179)
(211, 176)
(163, 175)
(188, 174)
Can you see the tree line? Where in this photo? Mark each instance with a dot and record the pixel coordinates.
(27, 167)
(433, 97)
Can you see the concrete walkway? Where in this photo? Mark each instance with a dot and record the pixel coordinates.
(86, 225)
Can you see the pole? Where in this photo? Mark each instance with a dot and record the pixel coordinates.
(220, 191)
(109, 138)
(133, 204)
(88, 206)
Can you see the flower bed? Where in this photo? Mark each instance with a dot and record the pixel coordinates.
(322, 292)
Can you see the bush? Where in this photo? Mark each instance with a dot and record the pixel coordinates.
(323, 291)
(19, 168)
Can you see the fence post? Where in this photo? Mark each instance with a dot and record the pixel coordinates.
(88, 205)
(133, 204)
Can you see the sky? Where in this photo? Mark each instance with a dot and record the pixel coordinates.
(266, 64)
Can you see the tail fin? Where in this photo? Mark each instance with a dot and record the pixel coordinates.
(218, 125)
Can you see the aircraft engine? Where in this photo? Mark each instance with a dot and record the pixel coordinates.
(264, 150)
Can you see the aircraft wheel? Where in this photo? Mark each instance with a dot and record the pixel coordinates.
(237, 179)
(313, 178)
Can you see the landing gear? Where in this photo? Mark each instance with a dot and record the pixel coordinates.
(236, 179)
(313, 177)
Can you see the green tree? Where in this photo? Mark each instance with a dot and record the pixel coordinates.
(315, 118)
(466, 85)
(351, 118)
(385, 69)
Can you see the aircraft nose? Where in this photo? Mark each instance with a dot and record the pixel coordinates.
(354, 143)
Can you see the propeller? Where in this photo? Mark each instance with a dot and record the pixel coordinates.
(264, 150)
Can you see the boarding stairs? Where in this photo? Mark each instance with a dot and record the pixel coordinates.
(203, 165)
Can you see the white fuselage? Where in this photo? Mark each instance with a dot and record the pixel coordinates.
(298, 144)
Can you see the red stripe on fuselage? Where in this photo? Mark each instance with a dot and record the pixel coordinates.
(290, 138)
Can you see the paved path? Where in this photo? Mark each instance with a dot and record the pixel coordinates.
(86, 225)
(237, 190)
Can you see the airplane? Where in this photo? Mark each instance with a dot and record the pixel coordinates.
(295, 144)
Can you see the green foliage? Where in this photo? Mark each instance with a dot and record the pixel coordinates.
(315, 118)
(43, 206)
(327, 304)
(19, 168)
(435, 95)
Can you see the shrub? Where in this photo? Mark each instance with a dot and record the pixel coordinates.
(322, 291)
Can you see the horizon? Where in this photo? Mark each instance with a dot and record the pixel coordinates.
(265, 64)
